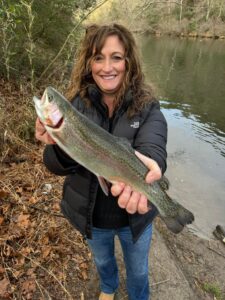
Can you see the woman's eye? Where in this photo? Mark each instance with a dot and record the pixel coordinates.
(98, 58)
(117, 58)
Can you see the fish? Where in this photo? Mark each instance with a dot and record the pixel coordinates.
(110, 158)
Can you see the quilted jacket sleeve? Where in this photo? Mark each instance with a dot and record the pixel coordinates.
(151, 138)
(58, 162)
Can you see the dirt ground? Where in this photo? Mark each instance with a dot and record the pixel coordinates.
(43, 257)
(182, 267)
(200, 263)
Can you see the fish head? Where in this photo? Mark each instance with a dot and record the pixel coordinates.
(50, 108)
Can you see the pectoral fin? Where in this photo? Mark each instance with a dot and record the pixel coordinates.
(104, 185)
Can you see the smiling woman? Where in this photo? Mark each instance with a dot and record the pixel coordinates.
(107, 86)
(108, 68)
(120, 52)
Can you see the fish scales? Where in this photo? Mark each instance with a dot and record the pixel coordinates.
(105, 155)
(103, 146)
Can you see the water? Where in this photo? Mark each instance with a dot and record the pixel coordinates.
(189, 77)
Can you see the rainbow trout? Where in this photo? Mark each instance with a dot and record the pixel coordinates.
(105, 155)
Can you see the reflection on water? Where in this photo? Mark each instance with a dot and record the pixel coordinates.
(189, 72)
(208, 132)
(196, 171)
(189, 76)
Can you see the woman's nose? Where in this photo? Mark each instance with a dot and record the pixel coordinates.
(107, 65)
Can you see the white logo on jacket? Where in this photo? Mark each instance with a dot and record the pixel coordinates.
(135, 124)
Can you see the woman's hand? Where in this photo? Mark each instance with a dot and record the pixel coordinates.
(41, 134)
(133, 201)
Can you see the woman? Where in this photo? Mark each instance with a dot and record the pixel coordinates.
(107, 85)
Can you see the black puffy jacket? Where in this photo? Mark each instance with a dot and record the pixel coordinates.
(147, 133)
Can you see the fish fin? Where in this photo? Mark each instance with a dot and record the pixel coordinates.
(176, 223)
(172, 224)
(164, 183)
(104, 184)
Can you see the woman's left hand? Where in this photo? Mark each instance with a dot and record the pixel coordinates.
(131, 200)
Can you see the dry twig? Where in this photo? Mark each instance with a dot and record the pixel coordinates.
(216, 251)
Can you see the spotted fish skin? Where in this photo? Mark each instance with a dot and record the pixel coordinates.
(105, 155)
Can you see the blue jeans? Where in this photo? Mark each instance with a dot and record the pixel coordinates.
(135, 259)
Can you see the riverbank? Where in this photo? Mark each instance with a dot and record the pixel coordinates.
(177, 32)
(182, 267)
(203, 19)
(202, 262)
(193, 34)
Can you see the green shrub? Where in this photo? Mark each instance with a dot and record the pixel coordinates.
(33, 32)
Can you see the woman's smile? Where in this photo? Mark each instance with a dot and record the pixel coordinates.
(108, 67)
(108, 77)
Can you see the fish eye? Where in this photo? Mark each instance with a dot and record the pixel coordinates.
(50, 98)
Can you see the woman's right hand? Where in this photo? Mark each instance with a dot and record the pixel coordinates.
(41, 134)
(133, 201)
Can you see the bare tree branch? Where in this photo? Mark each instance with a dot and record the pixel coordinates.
(67, 39)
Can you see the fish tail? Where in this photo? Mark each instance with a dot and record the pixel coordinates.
(177, 222)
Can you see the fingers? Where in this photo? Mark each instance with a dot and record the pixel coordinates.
(40, 129)
(41, 134)
(143, 207)
(125, 197)
(133, 201)
(155, 172)
(117, 188)
(137, 203)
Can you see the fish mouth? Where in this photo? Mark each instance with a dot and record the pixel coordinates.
(56, 126)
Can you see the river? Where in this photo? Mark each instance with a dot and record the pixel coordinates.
(189, 79)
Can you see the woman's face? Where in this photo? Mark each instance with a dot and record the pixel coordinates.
(108, 68)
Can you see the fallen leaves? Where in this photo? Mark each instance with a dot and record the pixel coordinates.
(41, 255)
(28, 288)
(4, 287)
(3, 194)
(46, 251)
(33, 239)
(23, 221)
(1, 220)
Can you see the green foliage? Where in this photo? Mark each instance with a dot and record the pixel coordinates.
(189, 13)
(183, 16)
(115, 11)
(176, 12)
(192, 26)
(213, 289)
(153, 19)
(32, 33)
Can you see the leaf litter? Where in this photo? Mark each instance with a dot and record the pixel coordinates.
(41, 255)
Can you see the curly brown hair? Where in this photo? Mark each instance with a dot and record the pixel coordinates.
(92, 44)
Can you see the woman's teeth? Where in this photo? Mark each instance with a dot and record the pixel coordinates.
(108, 77)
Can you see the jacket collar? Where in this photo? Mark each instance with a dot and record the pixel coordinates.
(95, 96)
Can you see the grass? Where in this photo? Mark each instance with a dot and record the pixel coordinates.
(213, 289)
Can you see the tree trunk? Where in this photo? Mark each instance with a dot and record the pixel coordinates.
(181, 10)
(209, 2)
